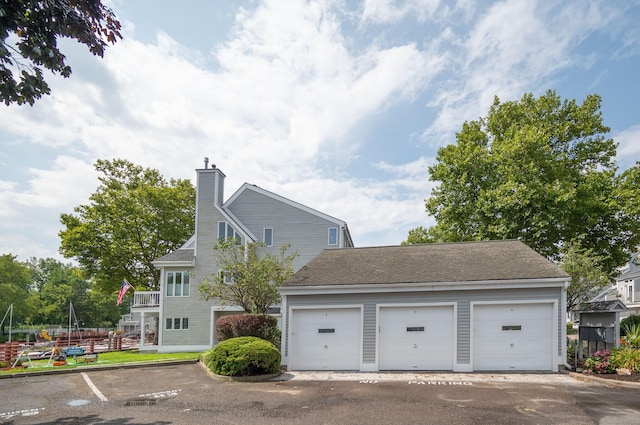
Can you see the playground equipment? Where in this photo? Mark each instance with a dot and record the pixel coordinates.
(42, 336)
(58, 355)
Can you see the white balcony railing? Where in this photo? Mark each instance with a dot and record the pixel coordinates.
(146, 299)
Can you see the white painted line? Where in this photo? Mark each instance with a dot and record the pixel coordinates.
(95, 389)
(23, 413)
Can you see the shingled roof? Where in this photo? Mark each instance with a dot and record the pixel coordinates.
(428, 263)
(177, 255)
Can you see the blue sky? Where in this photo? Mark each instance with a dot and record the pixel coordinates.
(339, 105)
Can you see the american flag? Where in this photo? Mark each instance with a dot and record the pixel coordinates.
(123, 290)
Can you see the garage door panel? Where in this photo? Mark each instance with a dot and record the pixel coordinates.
(326, 339)
(416, 338)
(513, 337)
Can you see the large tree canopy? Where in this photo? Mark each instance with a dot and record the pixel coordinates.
(249, 277)
(133, 218)
(56, 285)
(15, 281)
(587, 277)
(29, 33)
(541, 170)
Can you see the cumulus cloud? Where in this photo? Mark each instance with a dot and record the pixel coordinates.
(629, 146)
(514, 46)
(286, 90)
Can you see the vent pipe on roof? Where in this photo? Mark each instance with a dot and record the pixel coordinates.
(206, 162)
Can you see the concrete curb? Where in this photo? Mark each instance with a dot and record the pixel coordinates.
(604, 381)
(90, 368)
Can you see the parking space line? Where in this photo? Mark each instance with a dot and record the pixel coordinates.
(95, 389)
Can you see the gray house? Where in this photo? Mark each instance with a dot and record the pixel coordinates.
(628, 286)
(185, 321)
(463, 307)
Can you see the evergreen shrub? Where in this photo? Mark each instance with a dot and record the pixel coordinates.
(243, 356)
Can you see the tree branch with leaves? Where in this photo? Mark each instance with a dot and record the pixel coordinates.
(134, 217)
(29, 33)
(249, 276)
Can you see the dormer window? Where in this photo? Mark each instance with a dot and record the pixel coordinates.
(226, 231)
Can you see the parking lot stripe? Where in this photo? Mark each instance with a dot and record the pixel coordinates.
(95, 389)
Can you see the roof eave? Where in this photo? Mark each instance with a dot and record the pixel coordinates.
(559, 282)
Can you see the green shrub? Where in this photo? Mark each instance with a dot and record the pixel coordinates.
(243, 356)
(258, 325)
(626, 357)
(599, 362)
(630, 334)
(627, 323)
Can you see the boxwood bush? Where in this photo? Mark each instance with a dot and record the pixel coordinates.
(258, 325)
(243, 356)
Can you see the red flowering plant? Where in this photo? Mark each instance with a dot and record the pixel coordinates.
(599, 363)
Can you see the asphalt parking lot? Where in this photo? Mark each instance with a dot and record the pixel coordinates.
(185, 394)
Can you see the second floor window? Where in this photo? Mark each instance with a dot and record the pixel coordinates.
(177, 284)
(333, 236)
(226, 231)
(268, 237)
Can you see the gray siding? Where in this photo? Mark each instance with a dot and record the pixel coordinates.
(193, 307)
(461, 297)
(307, 233)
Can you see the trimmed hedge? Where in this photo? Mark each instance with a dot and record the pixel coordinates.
(243, 356)
(258, 325)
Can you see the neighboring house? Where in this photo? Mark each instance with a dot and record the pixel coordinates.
(464, 307)
(186, 322)
(628, 286)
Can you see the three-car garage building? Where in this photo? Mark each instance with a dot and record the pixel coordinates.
(468, 306)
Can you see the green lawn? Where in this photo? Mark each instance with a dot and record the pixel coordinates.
(110, 358)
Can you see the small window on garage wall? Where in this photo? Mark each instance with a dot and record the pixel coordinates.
(512, 327)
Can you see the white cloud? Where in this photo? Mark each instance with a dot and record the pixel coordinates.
(629, 146)
(286, 92)
(514, 47)
(385, 11)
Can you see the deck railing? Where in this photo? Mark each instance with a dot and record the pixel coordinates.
(146, 299)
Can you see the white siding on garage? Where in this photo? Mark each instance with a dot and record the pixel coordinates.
(513, 336)
(326, 338)
(416, 337)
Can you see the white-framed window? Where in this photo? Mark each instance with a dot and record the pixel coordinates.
(176, 323)
(630, 294)
(268, 236)
(226, 231)
(333, 236)
(226, 278)
(177, 284)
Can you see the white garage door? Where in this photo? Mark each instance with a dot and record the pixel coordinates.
(326, 339)
(416, 338)
(513, 337)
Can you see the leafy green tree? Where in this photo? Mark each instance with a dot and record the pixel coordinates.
(249, 277)
(15, 282)
(627, 193)
(587, 277)
(29, 33)
(541, 170)
(57, 285)
(133, 218)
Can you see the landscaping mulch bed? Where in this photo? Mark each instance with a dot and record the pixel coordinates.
(634, 377)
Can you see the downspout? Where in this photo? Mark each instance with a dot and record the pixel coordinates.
(563, 301)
